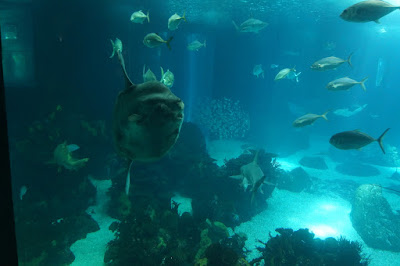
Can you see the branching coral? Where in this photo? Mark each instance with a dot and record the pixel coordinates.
(222, 118)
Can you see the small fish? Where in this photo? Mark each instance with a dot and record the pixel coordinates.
(293, 75)
(345, 83)
(274, 66)
(257, 71)
(175, 20)
(22, 192)
(117, 47)
(72, 147)
(284, 72)
(167, 78)
(355, 139)
(196, 45)
(251, 25)
(308, 119)
(366, 11)
(331, 62)
(152, 40)
(148, 75)
(139, 17)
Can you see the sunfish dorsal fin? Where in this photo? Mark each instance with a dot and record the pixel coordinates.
(256, 157)
(128, 82)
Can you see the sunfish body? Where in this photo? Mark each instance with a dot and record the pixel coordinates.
(152, 40)
(343, 84)
(147, 119)
(308, 119)
(330, 62)
(355, 139)
(366, 11)
(251, 25)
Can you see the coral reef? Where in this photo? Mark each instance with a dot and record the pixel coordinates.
(301, 248)
(379, 229)
(222, 118)
(296, 180)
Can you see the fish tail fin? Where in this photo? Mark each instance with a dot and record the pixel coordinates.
(184, 16)
(349, 60)
(234, 24)
(362, 83)
(324, 115)
(205, 43)
(168, 42)
(113, 46)
(380, 140)
(148, 17)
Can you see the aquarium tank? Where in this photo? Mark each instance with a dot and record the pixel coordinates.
(203, 132)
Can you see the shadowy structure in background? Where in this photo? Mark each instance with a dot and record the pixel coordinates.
(9, 247)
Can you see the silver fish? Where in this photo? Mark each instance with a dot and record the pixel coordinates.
(258, 70)
(366, 11)
(308, 119)
(196, 45)
(345, 84)
(251, 25)
(330, 62)
(152, 40)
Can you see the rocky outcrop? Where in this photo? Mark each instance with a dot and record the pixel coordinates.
(374, 219)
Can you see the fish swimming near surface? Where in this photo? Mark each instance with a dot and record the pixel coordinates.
(330, 62)
(250, 174)
(308, 119)
(258, 70)
(152, 40)
(148, 75)
(251, 25)
(117, 46)
(196, 45)
(167, 78)
(366, 11)
(139, 17)
(345, 83)
(175, 20)
(355, 139)
(147, 120)
(284, 72)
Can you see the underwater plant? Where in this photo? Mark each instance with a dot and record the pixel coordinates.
(301, 248)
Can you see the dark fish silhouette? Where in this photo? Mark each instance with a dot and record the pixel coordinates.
(355, 139)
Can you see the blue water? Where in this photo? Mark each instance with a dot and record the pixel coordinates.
(60, 57)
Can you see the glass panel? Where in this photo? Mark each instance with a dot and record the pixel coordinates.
(203, 132)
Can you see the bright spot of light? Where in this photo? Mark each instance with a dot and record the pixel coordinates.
(328, 207)
(323, 231)
(382, 30)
